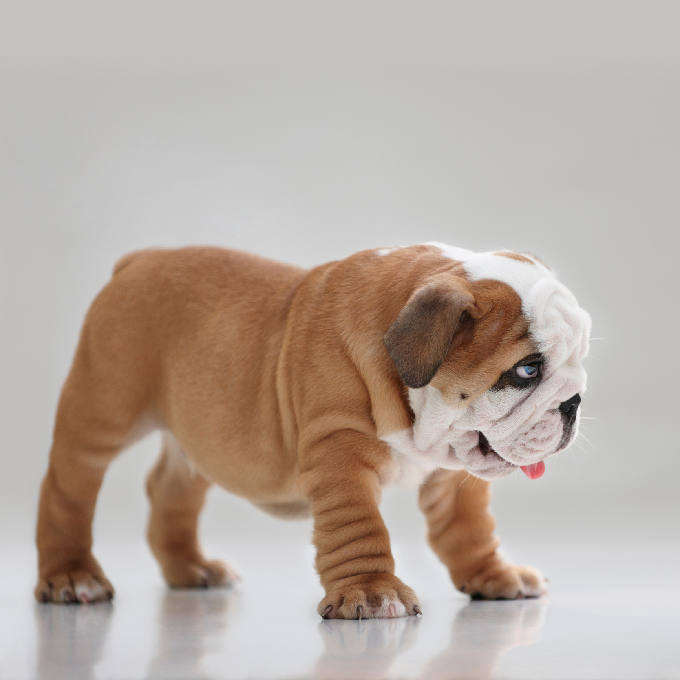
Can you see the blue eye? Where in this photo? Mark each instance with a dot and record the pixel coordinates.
(527, 372)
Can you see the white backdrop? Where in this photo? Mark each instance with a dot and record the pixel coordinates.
(305, 132)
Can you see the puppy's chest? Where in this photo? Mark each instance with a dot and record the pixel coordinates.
(409, 465)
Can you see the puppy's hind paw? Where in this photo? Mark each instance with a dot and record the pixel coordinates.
(75, 587)
(198, 573)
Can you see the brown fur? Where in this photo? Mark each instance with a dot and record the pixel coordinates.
(421, 336)
(274, 382)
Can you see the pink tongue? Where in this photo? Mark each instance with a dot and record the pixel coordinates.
(534, 471)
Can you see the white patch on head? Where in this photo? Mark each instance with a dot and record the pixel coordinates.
(522, 425)
(386, 251)
(557, 324)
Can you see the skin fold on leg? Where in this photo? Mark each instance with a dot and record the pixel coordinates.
(460, 531)
(353, 559)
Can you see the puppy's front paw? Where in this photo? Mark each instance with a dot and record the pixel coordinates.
(504, 581)
(376, 596)
(73, 587)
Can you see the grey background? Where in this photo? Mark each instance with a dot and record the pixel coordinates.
(308, 131)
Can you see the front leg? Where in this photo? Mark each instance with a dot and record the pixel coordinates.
(353, 555)
(460, 531)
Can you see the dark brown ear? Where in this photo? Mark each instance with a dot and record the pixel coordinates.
(420, 338)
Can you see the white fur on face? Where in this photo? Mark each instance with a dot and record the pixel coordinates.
(523, 426)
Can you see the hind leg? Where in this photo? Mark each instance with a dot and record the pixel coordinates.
(177, 494)
(105, 405)
(67, 570)
(91, 429)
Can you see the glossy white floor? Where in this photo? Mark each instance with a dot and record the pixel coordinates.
(613, 612)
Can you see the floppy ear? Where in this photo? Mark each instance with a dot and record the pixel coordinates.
(420, 338)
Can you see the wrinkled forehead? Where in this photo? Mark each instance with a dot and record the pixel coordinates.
(558, 326)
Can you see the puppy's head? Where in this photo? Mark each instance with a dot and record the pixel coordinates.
(491, 352)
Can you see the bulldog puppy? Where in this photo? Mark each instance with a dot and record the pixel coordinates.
(307, 392)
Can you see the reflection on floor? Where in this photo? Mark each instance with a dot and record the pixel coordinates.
(604, 619)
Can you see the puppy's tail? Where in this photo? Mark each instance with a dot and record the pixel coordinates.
(131, 257)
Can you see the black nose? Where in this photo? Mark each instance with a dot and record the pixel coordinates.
(570, 406)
